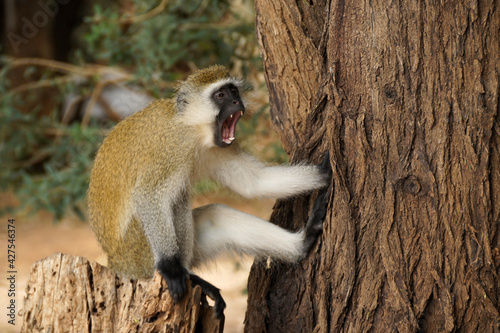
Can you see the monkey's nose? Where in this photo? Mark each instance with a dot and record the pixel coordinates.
(235, 102)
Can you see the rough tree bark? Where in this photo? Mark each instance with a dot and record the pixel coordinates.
(70, 294)
(405, 96)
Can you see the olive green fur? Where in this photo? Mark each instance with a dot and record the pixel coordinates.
(144, 149)
(206, 76)
(145, 163)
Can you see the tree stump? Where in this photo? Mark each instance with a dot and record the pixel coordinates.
(71, 294)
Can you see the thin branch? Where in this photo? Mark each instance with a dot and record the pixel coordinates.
(70, 110)
(112, 114)
(35, 159)
(94, 96)
(146, 16)
(53, 64)
(42, 84)
(89, 70)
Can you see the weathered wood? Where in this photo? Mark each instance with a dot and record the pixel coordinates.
(405, 95)
(71, 294)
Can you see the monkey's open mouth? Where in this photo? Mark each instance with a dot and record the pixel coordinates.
(228, 127)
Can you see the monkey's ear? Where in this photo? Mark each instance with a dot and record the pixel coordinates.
(181, 101)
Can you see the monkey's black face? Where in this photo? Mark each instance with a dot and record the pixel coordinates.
(227, 98)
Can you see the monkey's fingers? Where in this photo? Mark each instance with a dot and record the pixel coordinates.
(177, 288)
(219, 307)
(326, 167)
(314, 226)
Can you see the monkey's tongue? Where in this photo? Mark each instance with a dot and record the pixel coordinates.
(229, 126)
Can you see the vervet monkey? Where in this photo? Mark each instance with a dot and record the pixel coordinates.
(139, 194)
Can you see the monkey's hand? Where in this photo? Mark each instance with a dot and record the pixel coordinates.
(175, 275)
(325, 168)
(314, 225)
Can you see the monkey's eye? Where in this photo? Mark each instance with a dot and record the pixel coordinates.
(219, 95)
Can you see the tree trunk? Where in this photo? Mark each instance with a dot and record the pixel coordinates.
(70, 294)
(37, 29)
(405, 96)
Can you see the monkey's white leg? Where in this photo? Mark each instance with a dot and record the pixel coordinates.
(220, 229)
(168, 225)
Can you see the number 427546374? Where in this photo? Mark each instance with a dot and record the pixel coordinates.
(11, 244)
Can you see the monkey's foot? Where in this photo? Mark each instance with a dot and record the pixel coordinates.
(212, 292)
(175, 275)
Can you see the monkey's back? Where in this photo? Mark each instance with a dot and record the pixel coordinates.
(147, 147)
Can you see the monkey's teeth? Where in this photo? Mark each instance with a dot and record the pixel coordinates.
(227, 131)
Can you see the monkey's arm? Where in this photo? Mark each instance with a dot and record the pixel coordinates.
(250, 178)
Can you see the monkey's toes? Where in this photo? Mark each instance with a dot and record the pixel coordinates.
(219, 307)
(177, 288)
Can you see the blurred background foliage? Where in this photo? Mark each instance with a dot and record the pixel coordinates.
(50, 130)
